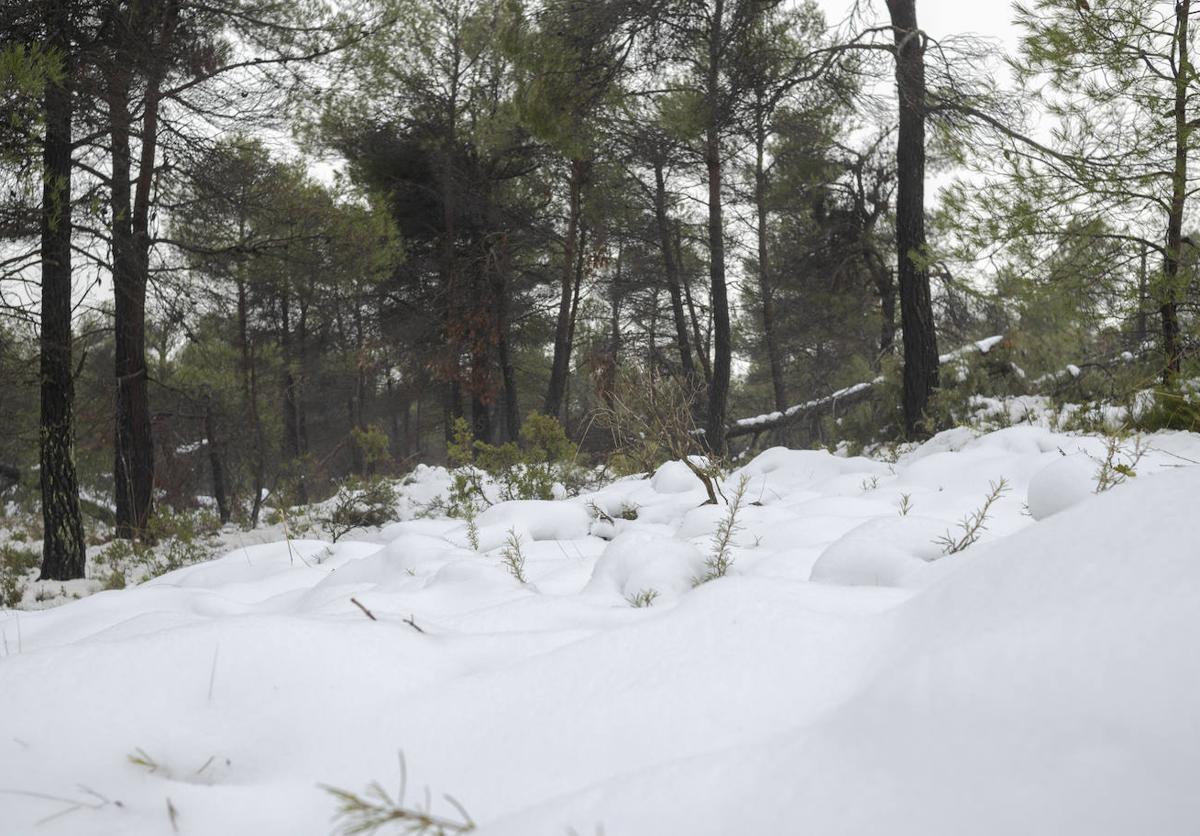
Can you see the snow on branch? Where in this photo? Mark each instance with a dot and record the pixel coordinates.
(849, 396)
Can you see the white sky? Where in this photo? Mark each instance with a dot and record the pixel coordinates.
(939, 18)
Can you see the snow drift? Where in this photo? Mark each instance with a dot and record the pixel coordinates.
(845, 678)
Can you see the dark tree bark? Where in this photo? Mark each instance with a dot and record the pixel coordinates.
(452, 407)
(885, 286)
(220, 493)
(63, 548)
(560, 368)
(508, 375)
(580, 272)
(718, 390)
(1142, 322)
(291, 387)
(250, 393)
(132, 27)
(699, 343)
(671, 270)
(1169, 309)
(507, 422)
(608, 386)
(302, 350)
(766, 287)
(133, 467)
(916, 306)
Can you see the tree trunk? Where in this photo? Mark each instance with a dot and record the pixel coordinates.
(250, 395)
(63, 548)
(291, 413)
(718, 391)
(133, 469)
(1142, 322)
(214, 462)
(698, 343)
(452, 407)
(561, 365)
(765, 287)
(1169, 310)
(580, 272)
(916, 305)
(302, 350)
(671, 270)
(508, 374)
(608, 390)
(885, 286)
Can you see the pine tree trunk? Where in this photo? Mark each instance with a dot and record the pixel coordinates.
(302, 350)
(916, 305)
(63, 547)
(609, 386)
(220, 493)
(560, 367)
(885, 286)
(250, 394)
(718, 390)
(508, 374)
(1142, 322)
(698, 343)
(291, 412)
(133, 468)
(671, 270)
(1169, 309)
(766, 288)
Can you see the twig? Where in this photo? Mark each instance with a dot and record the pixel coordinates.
(366, 611)
(173, 815)
(411, 622)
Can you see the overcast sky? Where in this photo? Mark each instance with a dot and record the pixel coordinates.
(992, 18)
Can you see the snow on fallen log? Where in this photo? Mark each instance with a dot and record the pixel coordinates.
(1070, 373)
(850, 396)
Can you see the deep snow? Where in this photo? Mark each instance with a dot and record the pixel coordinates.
(845, 678)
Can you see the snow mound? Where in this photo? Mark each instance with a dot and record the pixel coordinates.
(882, 552)
(674, 477)
(1064, 482)
(541, 519)
(634, 563)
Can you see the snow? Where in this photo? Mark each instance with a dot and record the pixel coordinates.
(674, 477)
(537, 519)
(1061, 484)
(635, 562)
(846, 677)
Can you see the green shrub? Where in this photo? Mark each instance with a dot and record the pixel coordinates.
(360, 503)
(174, 539)
(544, 458)
(1172, 409)
(372, 444)
(15, 565)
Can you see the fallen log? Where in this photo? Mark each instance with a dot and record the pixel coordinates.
(843, 398)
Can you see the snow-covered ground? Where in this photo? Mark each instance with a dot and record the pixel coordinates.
(846, 677)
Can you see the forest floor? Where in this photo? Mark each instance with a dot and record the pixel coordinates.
(870, 662)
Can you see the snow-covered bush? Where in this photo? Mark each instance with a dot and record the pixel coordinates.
(359, 503)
